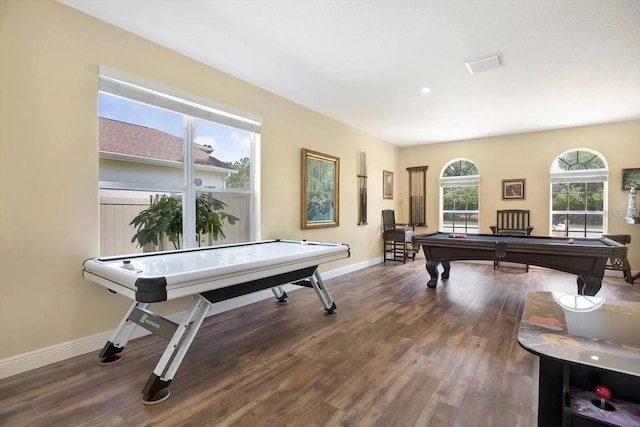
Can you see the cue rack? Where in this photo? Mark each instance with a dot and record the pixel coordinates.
(362, 184)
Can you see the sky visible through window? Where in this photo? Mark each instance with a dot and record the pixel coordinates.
(229, 144)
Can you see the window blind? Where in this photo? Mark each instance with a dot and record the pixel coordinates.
(120, 84)
(417, 195)
(460, 181)
(587, 175)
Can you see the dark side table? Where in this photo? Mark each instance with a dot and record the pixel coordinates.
(583, 342)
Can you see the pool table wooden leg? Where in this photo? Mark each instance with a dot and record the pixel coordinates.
(628, 277)
(589, 285)
(432, 268)
(447, 268)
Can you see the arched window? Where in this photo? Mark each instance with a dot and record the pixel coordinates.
(579, 194)
(459, 182)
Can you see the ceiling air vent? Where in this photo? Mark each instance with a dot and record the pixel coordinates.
(485, 63)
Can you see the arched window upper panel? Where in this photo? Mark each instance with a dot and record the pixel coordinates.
(580, 159)
(460, 167)
(579, 186)
(459, 197)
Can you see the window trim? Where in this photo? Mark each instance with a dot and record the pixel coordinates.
(579, 176)
(458, 181)
(585, 175)
(135, 88)
(123, 85)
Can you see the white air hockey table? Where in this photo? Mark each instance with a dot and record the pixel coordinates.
(211, 274)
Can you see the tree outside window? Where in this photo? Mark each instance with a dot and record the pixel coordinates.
(459, 197)
(578, 194)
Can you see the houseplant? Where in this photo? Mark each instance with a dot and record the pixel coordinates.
(163, 218)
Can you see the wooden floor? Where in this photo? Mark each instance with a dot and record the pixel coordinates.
(398, 354)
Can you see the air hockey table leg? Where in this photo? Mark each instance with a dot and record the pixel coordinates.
(110, 353)
(280, 294)
(156, 389)
(323, 294)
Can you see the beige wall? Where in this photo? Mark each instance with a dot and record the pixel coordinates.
(49, 217)
(530, 156)
(49, 166)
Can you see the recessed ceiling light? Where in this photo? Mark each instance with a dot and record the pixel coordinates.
(426, 90)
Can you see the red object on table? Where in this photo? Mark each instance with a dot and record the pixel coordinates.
(603, 392)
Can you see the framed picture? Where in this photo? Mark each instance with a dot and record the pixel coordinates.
(320, 189)
(630, 177)
(387, 185)
(513, 189)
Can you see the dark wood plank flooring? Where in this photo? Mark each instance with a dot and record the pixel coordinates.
(398, 354)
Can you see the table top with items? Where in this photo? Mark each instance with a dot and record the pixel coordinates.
(586, 330)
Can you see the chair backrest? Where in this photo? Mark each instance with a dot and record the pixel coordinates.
(513, 221)
(388, 219)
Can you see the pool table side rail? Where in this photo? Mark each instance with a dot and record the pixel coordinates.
(570, 258)
(533, 244)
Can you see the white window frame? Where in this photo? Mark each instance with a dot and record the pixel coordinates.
(458, 181)
(134, 88)
(557, 176)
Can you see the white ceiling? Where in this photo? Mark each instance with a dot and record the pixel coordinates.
(566, 63)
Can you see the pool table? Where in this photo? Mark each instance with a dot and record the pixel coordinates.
(585, 257)
(210, 274)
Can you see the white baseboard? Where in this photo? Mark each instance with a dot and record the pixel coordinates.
(350, 268)
(56, 353)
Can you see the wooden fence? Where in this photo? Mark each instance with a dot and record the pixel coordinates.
(116, 214)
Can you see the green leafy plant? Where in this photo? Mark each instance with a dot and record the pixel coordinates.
(164, 219)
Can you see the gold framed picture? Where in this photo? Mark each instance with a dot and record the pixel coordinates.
(387, 185)
(320, 190)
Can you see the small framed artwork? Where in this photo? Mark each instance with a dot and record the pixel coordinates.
(513, 189)
(320, 190)
(387, 185)
(630, 177)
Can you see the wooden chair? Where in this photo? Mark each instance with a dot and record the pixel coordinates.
(514, 222)
(397, 244)
(618, 263)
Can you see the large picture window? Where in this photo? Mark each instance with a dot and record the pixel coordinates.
(578, 194)
(175, 171)
(459, 196)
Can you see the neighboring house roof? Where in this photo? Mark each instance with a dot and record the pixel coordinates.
(135, 140)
